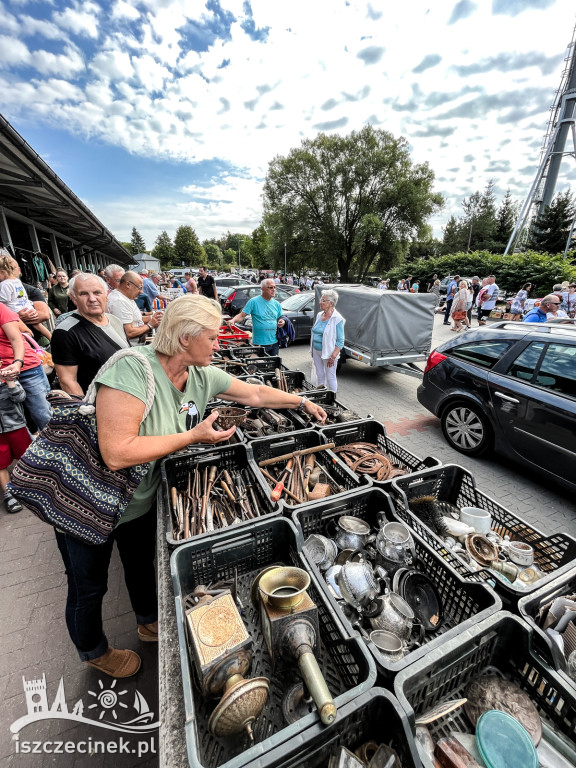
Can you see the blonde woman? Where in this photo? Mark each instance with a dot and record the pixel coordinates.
(459, 308)
(180, 357)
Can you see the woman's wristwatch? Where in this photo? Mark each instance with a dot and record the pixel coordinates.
(302, 405)
(18, 360)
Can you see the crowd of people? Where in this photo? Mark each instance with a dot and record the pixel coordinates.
(86, 318)
(92, 317)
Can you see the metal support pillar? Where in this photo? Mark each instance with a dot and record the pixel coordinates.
(5, 238)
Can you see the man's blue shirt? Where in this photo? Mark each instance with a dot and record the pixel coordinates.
(535, 316)
(265, 316)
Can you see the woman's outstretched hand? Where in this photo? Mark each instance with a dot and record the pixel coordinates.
(205, 432)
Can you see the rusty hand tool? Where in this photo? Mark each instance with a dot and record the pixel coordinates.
(208, 506)
(277, 492)
(294, 454)
(288, 492)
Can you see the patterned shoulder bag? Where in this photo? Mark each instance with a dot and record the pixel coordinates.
(62, 477)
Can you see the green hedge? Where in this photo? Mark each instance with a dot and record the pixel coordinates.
(541, 269)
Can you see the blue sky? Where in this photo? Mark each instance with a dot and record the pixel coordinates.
(166, 112)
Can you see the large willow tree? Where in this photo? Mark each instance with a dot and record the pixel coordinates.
(347, 201)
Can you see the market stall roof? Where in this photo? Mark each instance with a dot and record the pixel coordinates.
(29, 186)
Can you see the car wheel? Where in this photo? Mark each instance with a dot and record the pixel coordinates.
(466, 428)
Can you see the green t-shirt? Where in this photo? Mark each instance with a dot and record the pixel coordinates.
(172, 412)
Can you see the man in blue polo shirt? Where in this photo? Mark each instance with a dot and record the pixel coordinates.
(266, 313)
(538, 314)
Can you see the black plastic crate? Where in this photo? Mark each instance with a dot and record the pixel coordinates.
(372, 431)
(240, 353)
(265, 364)
(374, 716)
(175, 470)
(327, 399)
(529, 608)
(464, 602)
(553, 554)
(501, 642)
(270, 447)
(295, 380)
(345, 663)
(295, 423)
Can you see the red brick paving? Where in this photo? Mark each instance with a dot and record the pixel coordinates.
(405, 424)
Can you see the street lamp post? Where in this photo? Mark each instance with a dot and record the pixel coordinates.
(285, 271)
(239, 243)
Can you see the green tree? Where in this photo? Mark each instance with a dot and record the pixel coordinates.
(551, 228)
(137, 244)
(163, 249)
(505, 221)
(258, 246)
(229, 256)
(213, 254)
(479, 220)
(187, 248)
(347, 201)
(512, 270)
(454, 237)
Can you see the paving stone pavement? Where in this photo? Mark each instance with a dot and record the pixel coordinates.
(35, 643)
(33, 634)
(391, 398)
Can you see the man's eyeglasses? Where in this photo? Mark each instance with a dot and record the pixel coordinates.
(129, 282)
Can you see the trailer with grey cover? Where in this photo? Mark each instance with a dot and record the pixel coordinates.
(385, 329)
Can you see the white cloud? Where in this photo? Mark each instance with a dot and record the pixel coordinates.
(32, 26)
(124, 10)
(13, 51)
(112, 65)
(81, 20)
(322, 63)
(68, 64)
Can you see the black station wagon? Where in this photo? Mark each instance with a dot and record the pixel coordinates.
(510, 387)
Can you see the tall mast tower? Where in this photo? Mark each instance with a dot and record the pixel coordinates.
(560, 125)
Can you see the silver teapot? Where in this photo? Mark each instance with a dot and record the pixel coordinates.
(352, 533)
(321, 550)
(395, 546)
(393, 614)
(358, 583)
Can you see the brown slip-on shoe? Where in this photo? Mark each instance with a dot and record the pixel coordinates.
(117, 663)
(148, 633)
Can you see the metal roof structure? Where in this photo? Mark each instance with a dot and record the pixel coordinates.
(29, 187)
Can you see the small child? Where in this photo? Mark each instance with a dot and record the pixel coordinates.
(14, 437)
(13, 293)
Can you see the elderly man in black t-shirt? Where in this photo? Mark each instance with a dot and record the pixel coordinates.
(85, 340)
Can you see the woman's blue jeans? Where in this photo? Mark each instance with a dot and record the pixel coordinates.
(87, 571)
(36, 386)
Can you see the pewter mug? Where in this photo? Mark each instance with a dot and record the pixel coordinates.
(389, 645)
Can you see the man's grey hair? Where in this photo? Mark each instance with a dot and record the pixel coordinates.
(267, 280)
(81, 278)
(112, 268)
(330, 295)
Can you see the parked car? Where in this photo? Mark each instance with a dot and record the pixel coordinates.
(509, 387)
(299, 309)
(223, 284)
(235, 297)
(291, 289)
